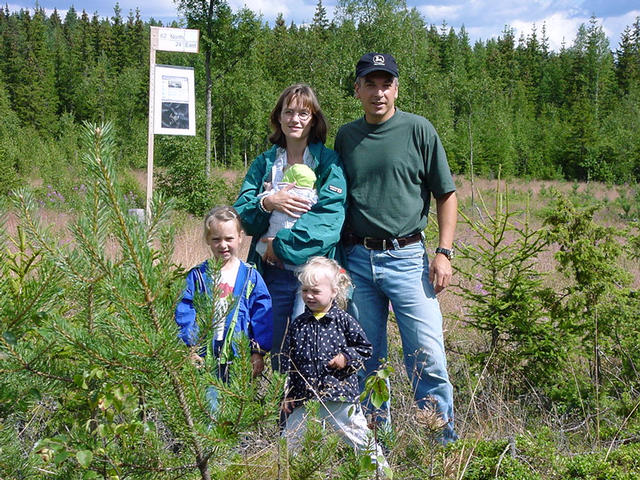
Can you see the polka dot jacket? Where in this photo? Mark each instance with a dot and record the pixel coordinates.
(309, 346)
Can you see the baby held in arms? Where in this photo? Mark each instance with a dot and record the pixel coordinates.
(304, 179)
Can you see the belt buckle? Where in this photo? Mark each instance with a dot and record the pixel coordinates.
(371, 239)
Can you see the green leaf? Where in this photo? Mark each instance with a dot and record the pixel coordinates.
(103, 430)
(121, 428)
(381, 388)
(385, 373)
(84, 458)
(366, 463)
(61, 456)
(80, 380)
(59, 439)
(377, 399)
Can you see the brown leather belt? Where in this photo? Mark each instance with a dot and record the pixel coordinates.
(381, 243)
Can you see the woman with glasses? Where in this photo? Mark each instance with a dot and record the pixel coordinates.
(299, 134)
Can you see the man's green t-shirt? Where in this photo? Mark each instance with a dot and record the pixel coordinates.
(392, 169)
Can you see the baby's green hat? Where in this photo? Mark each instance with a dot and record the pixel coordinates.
(302, 175)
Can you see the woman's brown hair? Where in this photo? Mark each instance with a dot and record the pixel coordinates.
(307, 98)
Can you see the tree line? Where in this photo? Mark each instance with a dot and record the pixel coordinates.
(505, 103)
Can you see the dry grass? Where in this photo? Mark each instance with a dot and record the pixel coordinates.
(57, 222)
(190, 248)
(599, 191)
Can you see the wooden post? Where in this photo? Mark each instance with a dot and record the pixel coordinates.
(152, 80)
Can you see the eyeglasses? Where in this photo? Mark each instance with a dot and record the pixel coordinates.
(303, 115)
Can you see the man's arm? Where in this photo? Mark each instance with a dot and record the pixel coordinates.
(440, 270)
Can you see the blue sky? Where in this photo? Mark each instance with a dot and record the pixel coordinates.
(482, 18)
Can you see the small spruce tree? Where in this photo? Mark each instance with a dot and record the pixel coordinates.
(89, 346)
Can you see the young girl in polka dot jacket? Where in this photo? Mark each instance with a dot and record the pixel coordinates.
(323, 349)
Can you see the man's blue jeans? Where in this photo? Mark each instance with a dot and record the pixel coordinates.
(402, 277)
(287, 304)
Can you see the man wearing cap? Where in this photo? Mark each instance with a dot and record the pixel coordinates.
(394, 162)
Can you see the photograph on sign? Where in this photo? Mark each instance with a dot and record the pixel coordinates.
(174, 101)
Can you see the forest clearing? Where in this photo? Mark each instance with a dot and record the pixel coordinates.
(542, 321)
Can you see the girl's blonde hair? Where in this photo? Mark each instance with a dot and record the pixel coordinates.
(221, 214)
(317, 267)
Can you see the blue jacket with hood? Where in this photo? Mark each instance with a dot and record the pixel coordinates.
(254, 317)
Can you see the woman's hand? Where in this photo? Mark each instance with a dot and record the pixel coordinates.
(269, 257)
(286, 202)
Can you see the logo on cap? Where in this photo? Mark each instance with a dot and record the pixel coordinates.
(371, 62)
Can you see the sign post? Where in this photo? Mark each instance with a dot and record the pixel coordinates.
(171, 93)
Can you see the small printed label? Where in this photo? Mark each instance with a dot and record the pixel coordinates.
(335, 189)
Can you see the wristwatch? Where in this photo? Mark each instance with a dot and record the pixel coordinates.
(445, 251)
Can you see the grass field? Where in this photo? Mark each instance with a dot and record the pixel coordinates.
(503, 436)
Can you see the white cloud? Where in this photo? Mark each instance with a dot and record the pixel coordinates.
(437, 13)
(485, 19)
(149, 8)
(293, 10)
(563, 26)
(559, 27)
(614, 26)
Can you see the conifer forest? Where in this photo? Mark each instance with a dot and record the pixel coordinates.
(511, 102)
(542, 321)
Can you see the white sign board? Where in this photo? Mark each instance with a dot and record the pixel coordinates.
(177, 39)
(175, 101)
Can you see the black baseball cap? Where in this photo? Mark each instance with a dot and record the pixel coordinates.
(373, 62)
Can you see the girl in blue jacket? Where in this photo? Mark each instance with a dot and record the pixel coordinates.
(243, 306)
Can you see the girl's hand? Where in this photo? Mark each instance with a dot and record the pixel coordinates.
(257, 361)
(338, 362)
(286, 202)
(287, 405)
(196, 360)
(269, 256)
